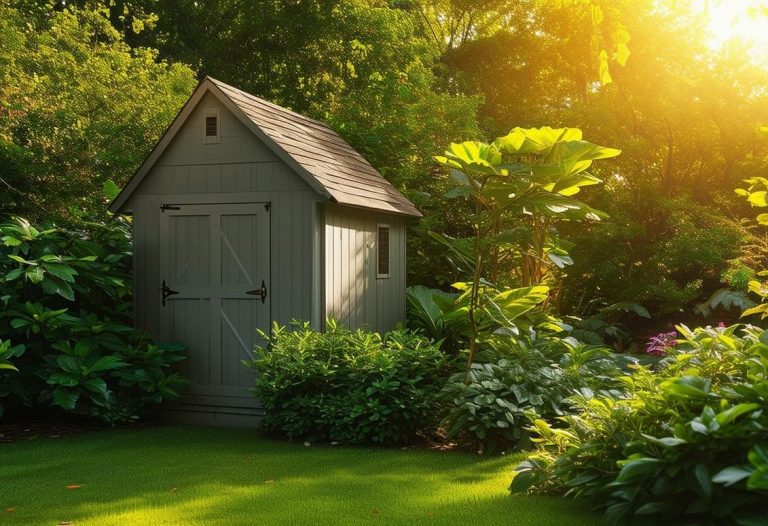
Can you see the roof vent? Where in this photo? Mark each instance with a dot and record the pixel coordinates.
(211, 127)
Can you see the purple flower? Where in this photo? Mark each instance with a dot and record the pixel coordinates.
(659, 344)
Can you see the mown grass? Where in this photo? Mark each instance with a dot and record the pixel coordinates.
(191, 476)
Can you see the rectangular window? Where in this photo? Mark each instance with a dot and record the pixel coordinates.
(211, 128)
(382, 250)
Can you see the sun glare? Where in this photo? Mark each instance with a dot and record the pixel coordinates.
(744, 21)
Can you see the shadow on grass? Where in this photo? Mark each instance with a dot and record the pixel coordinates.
(182, 475)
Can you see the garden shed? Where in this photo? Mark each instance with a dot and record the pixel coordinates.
(247, 213)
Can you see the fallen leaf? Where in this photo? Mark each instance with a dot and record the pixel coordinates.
(10, 510)
(375, 513)
(307, 443)
(173, 490)
(65, 523)
(73, 486)
(269, 481)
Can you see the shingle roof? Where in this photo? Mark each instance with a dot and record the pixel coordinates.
(341, 170)
(316, 149)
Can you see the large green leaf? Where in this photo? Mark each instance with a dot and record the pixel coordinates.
(65, 398)
(701, 478)
(574, 157)
(688, 387)
(515, 302)
(637, 468)
(425, 312)
(572, 184)
(523, 480)
(732, 413)
(96, 385)
(54, 285)
(61, 271)
(535, 140)
(106, 363)
(460, 248)
(758, 198)
(758, 455)
(65, 379)
(758, 480)
(68, 364)
(473, 155)
(731, 475)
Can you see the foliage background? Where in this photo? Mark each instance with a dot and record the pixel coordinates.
(86, 90)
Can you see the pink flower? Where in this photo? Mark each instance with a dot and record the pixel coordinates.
(659, 344)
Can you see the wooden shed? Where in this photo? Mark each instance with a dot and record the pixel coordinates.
(247, 213)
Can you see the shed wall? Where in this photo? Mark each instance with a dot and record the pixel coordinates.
(353, 293)
(237, 169)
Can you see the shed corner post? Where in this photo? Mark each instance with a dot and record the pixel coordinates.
(318, 266)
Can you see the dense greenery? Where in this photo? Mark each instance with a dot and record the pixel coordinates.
(544, 289)
(87, 86)
(349, 386)
(78, 107)
(685, 441)
(519, 381)
(66, 305)
(520, 188)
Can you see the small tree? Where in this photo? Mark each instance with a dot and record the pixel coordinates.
(519, 186)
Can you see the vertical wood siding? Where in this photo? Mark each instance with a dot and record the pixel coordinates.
(238, 169)
(353, 294)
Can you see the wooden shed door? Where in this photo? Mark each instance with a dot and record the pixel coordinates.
(215, 261)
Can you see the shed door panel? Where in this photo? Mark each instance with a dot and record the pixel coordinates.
(215, 255)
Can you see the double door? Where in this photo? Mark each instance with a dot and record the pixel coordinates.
(215, 294)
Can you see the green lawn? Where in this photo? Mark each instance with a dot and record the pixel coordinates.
(187, 475)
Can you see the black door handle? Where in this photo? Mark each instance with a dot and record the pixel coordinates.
(167, 291)
(262, 292)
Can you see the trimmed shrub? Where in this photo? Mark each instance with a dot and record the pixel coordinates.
(348, 386)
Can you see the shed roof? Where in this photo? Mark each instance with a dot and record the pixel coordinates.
(315, 151)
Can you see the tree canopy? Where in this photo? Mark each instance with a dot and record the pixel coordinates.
(86, 88)
(78, 107)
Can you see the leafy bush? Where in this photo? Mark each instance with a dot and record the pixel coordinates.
(348, 386)
(7, 355)
(494, 403)
(428, 311)
(66, 295)
(684, 444)
(609, 325)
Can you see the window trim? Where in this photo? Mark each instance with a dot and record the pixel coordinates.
(380, 275)
(212, 139)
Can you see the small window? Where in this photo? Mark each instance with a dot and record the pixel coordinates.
(211, 127)
(382, 248)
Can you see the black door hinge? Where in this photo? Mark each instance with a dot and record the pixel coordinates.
(260, 293)
(268, 206)
(164, 207)
(167, 292)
